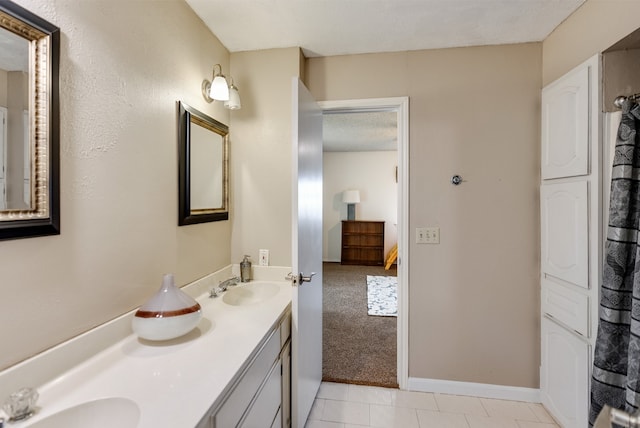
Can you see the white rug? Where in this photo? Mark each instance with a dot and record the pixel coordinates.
(382, 295)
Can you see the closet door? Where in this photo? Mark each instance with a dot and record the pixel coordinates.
(565, 126)
(564, 227)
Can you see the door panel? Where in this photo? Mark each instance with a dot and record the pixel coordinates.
(564, 221)
(565, 127)
(306, 335)
(564, 375)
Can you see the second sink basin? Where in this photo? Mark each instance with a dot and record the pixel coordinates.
(102, 413)
(250, 293)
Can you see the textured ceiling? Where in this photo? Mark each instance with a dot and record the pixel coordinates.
(339, 27)
(360, 131)
(336, 27)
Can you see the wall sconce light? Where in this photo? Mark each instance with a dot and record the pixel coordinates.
(218, 89)
(233, 103)
(351, 198)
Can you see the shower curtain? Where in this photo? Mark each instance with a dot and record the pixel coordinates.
(616, 367)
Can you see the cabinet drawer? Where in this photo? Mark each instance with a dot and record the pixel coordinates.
(238, 401)
(363, 240)
(362, 227)
(362, 256)
(267, 404)
(570, 307)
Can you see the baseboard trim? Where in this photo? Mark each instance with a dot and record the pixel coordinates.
(530, 395)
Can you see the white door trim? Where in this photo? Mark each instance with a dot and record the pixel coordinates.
(401, 105)
(4, 115)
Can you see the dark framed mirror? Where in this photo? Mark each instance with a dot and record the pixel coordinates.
(29, 129)
(203, 167)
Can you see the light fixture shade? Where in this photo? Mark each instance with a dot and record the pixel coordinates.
(219, 89)
(234, 99)
(351, 196)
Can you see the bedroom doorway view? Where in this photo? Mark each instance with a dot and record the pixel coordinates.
(360, 237)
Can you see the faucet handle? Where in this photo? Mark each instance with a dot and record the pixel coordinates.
(21, 404)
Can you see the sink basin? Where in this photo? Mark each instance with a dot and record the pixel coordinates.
(251, 293)
(102, 413)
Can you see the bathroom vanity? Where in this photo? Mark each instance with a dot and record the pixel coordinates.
(260, 396)
(232, 370)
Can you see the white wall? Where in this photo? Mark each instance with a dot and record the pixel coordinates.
(374, 175)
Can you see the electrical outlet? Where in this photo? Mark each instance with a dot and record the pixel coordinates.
(263, 258)
(427, 235)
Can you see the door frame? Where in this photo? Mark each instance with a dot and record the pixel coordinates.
(401, 106)
(3, 163)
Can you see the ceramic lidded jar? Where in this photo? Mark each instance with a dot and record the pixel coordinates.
(168, 314)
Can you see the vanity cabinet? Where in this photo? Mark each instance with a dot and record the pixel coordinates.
(571, 216)
(260, 395)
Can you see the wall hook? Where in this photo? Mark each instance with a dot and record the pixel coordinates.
(456, 180)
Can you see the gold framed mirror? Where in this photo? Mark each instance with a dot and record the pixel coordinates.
(29, 133)
(203, 167)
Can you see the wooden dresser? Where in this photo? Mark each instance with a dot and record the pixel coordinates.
(362, 243)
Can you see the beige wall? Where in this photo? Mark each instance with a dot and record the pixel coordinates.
(3, 88)
(474, 299)
(620, 76)
(595, 26)
(261, 153)
(124, 64)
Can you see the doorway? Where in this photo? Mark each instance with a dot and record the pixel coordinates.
(399, 107)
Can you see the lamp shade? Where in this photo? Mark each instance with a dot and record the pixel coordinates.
(234, 99)
(351, 196)
(219, 89)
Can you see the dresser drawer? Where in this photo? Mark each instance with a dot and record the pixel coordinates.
(567, 305)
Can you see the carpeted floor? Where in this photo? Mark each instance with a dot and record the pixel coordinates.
(357, 348)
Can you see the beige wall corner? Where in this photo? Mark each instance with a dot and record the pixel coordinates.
(620, 76)
(123, 66)
(474, 299)
(260, 153)
(595, 26)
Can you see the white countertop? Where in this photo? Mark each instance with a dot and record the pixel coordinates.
(175, 382)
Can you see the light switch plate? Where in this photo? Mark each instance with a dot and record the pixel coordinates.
(263, 259)
(427, 235)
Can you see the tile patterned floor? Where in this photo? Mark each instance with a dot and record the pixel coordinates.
(340, 405)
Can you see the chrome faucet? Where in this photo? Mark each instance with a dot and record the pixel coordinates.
(222, 287)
